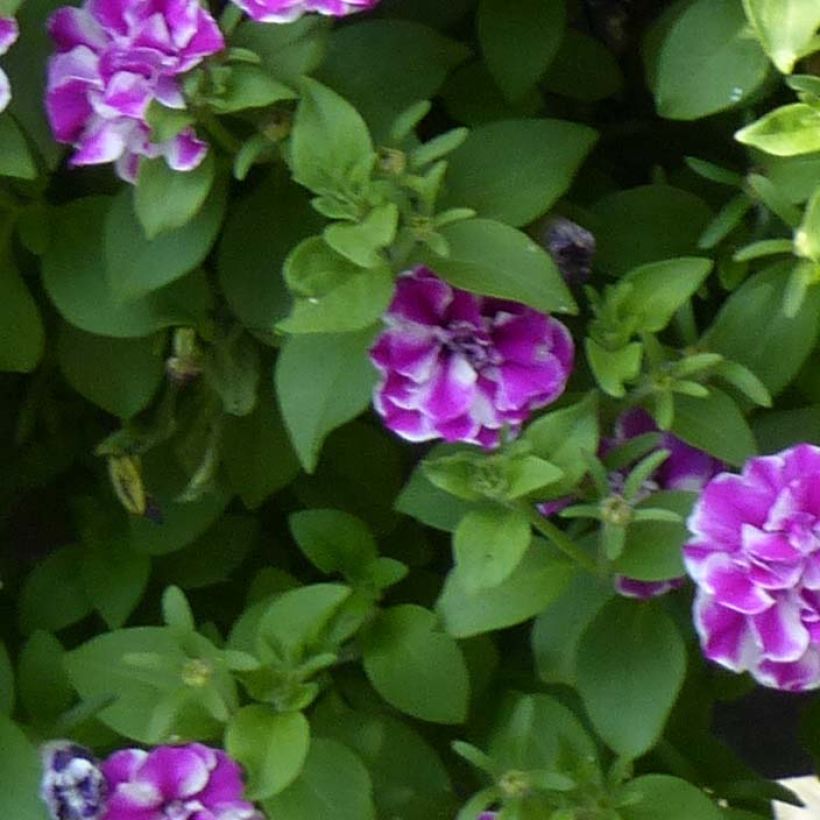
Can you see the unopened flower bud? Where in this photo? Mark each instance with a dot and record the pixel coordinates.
(571, 248)
(73, 787)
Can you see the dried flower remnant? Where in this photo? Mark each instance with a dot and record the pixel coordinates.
(114, 58)
(572, 248)
(462, 367)
(286, 11)
(755, 557)
(73, 787)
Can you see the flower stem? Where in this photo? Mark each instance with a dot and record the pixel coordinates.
(561, 541)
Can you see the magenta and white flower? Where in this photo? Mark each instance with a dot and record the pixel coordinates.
(285, 11)
(191, 782)
(114, 58)
(8, 36)
(461, 367)
(755, 557)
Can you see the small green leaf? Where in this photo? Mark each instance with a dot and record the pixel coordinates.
(653, 796)
(488, 545)
(16, 159)
(784, 27)
(165, 199)
(612, 368)
(271, 747)
(22, 337)
(785, 132)
(334, 541)
(249, 86)
(322, 381)
(20, 775)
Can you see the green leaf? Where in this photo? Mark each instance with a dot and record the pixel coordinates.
(75, 279)
(751, 331)
(53, 596)
(119, 375)
(707, 62)
(494, 259)
(22, 338)
(249, 86)
(612, 368)
(488, 545)
(658, 289)
(20, 775)
(165, 199)
(251, 256)
(409, 779)
(537, 580)
(176, 611)
(714, 424)
(659, 795)
(416, 668)
(519, 38)
(16, 159)
(334, 295)
(513, 171)
(334, 541)
(330, 143)
(114, 579)
(271, 747)
(563, 435)
(322, 381)
(295, 621)
(583, 69)
(631, 664)
(231, 369)
(334, 783)
(256, 451)
(537, 732)
(413, 62)
(362, 242)
(652, 550)
(784, 27)
(45, 690)
(646, 224)
(137, 266)
(785, 132)
(807, 236)
(557, 630)
(6, 682)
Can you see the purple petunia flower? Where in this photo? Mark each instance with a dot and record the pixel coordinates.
(285, 11)
(8, 36)
(114, 58)
(755, 557)
(460, 367)
(191, 782)
(73, 787)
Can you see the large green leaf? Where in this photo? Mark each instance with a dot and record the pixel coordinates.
(630, 667)
(656, 796)
(21, 329)
(271, 746)
(20, 775)
(413, 61)
(322, 381)
(707, 62)
(415, 667)
(136, 265)
(119, 375)
(75, 279)
(334, 783)
(519, 38)
(537, 580)
(514, 170)
(752, 329)
(494, 259)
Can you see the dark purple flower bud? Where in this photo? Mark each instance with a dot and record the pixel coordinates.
(73, 787)
(571, 248)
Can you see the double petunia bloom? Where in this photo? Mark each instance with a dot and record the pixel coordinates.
(462, 367)
(755, 556)
(285, 11)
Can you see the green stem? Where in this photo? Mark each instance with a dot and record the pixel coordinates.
(562, 542)
(221, 135)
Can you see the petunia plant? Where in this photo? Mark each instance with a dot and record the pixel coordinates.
(409, 408)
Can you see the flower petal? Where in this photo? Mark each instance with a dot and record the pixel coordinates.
(724, 634)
